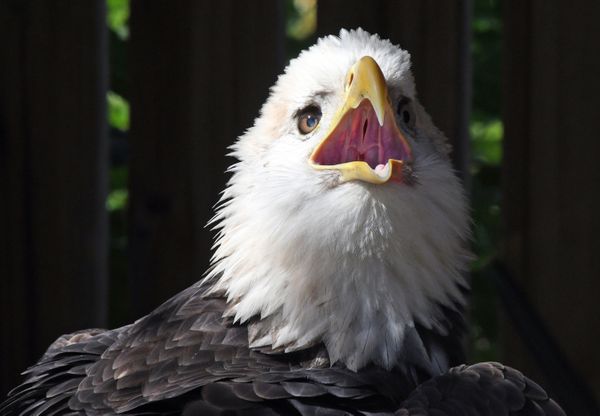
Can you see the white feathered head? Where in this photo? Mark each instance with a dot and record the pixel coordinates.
(343, 222)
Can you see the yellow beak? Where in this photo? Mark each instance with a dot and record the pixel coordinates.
(364, 142)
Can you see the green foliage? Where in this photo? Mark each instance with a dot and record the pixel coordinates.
(302, 19)
(486, 148)
(118, 111)
(117, 199)
(117, 15)
(486, 142)
(118, 195)
(301, 25)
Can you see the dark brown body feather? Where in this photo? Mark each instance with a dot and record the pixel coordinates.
(185, 358)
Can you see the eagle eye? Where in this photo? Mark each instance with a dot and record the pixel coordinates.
(308, 119)
(406, 113)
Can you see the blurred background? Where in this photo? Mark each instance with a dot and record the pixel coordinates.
(115, 116)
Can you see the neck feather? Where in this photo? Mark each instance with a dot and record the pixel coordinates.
(353, 266)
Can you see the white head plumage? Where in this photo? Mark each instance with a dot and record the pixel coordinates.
(349, 263)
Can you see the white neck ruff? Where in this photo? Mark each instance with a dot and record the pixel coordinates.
(352, 266)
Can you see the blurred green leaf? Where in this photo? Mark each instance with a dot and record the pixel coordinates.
(487, 24)
(118, 111)
(486, 141)
(117, 200)
(486, 146)
(117, 15)
(302, 19)
(118, 195)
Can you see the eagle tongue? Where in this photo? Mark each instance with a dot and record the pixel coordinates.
(364, 137)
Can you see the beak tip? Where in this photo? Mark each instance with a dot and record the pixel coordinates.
(380, 117)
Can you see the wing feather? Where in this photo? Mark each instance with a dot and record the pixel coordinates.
(186, 357)
(484, 389)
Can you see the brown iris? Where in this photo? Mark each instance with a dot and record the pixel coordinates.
(308, 119)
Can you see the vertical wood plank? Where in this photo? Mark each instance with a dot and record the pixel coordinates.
(437, 35)
(53, 161)
(551, 172)
(201, 71)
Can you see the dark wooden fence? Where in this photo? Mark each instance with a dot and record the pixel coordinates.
(552, 173)
(53, 175)
(199, 72)
(196, 86)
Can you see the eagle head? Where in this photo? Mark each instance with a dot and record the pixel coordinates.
(343, 222)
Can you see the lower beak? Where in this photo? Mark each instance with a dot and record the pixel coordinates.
(364, 141)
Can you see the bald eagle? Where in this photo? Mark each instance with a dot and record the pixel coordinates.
(337, 283)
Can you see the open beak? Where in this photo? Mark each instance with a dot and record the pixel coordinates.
(364, 143)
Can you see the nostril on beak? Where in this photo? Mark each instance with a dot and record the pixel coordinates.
(349, 80)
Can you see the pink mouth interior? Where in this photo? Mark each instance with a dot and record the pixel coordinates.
(359, 137)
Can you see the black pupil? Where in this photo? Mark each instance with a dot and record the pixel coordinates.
(311, 120)
(406, 116)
